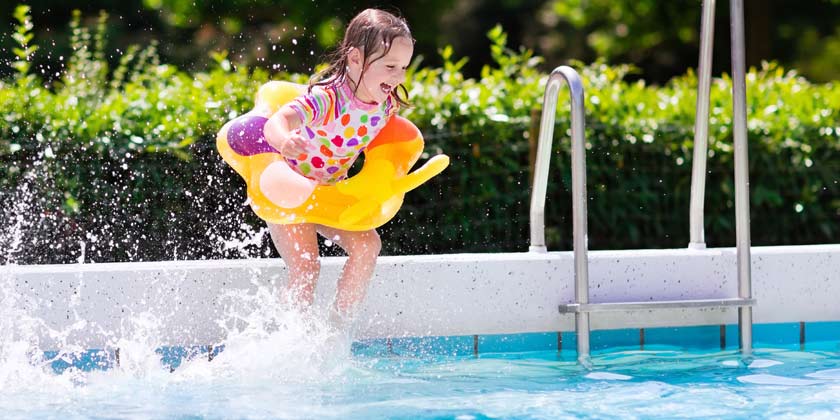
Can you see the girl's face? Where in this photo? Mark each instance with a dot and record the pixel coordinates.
(383, 75)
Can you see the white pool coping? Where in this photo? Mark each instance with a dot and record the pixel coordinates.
(434, 295)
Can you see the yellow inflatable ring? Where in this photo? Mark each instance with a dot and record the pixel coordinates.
(364, 201)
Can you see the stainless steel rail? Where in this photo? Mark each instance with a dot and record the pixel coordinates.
(544, 147)
(662, 304)
(701, 127)
(580, 243)
(581, 307)
(742, 182)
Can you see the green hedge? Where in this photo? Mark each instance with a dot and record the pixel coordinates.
(116, 161)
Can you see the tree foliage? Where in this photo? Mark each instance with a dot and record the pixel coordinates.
(117, 163)
(662, 37)
(658, 37)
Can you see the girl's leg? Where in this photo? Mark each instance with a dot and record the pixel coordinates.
(298, 246)
(362, 249)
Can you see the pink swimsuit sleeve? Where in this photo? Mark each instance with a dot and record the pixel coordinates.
(313, 107)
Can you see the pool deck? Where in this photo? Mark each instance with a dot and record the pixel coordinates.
(434, 295)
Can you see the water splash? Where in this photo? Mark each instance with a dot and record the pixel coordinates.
(38, 361)
(267, 346)
(16, 207)
(277, 344)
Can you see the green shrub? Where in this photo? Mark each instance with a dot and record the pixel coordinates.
(639, 156)
(120, 164)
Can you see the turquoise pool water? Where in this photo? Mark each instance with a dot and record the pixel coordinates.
(297, 374)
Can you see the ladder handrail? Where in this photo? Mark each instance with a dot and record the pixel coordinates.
(739, 129)
(544, 147)
(742, 182)
(701, 127)
(580, 245)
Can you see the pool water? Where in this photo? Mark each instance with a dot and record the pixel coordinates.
(281, 364)
(312, 372)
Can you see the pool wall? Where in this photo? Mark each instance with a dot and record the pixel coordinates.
(432, 295)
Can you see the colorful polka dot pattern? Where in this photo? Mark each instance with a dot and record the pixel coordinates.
(339, 127)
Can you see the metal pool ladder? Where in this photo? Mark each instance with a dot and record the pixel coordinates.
(582, 307)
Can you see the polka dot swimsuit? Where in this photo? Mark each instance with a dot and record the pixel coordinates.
(339, 127)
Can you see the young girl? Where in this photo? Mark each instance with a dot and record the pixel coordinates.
(321, 134)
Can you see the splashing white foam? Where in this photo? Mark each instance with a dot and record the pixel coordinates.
(763, 363)
(267, 346)
(776, 380)
(607, 376)
(266, 339)
(833, 374)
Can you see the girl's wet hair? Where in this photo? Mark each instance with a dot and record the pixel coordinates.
(372, 31)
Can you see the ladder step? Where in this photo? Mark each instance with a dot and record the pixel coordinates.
(666, 304)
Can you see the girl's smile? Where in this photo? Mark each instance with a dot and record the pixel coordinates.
(382, 75)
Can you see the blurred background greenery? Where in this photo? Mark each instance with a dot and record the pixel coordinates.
(660, 37)
(109, 119)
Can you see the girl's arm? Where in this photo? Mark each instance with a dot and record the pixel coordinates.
(281, 133)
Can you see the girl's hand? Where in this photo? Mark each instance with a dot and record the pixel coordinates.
(282, 132)
(294, 145)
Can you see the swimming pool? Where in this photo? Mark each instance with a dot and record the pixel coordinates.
(303, 370)
(471, 336)
(443, 336)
